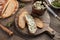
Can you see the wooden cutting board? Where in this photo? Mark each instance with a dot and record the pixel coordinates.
(45, 18)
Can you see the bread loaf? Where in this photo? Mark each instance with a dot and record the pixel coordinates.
(9, 8)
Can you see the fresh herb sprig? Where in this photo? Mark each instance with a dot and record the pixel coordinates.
(56, 3)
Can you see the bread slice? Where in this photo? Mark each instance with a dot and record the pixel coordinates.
(11, 9)
(21, 20)
(31, 24)
(39, 23)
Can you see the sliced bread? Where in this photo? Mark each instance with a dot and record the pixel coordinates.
(21, 20)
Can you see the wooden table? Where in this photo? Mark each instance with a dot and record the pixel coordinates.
(55, 24)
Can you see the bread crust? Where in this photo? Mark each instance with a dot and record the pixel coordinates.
(21, 19)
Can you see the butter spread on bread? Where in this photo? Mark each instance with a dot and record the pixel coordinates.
(31, 23)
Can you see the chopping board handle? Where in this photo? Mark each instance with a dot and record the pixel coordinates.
(6, 30)
(56, 35)
(51, 31)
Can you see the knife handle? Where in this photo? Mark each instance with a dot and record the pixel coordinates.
(6, 30)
